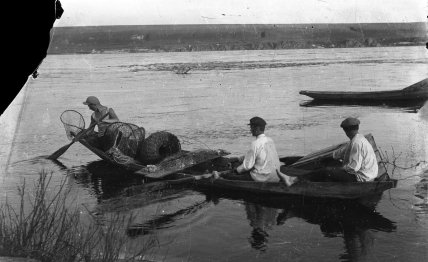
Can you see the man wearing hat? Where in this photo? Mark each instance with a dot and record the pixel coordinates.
(261, 162)
(99, 111)
(359, 163)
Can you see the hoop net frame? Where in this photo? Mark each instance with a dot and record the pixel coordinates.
(125, 137)
(73, 122)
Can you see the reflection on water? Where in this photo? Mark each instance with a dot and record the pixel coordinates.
(103, 179)
(405, 106)
(261, 219)
(164, 221)
(35, 162)
(347, 219)
(350, 220)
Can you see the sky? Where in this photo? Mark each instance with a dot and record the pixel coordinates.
(150, 12)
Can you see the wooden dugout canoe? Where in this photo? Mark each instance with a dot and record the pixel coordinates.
(308, 189)
(339, 190)
(415, 92)
(169, 165)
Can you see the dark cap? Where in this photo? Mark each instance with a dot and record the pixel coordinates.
(350, 121)
(92, 100)
(257, 121)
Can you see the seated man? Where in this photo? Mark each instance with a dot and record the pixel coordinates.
(359, 163)
(261, 162)
(94, 138)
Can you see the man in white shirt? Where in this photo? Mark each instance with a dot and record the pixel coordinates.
(359, 162)
(261, 162)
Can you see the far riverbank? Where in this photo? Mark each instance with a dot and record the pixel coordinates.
(188, 38)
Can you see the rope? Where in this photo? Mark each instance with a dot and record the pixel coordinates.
(187, 140)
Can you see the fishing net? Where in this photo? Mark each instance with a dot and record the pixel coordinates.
(73, 123)
(157, 147)
(119, 157)
(124, 137)
(120, 140)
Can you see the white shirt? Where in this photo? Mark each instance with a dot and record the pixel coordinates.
(358, 158)
(262, 160)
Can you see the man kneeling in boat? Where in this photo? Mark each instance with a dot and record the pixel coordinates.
(261, 162)
(95, 138)
(357, 157)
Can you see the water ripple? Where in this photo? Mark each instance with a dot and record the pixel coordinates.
(245, 65)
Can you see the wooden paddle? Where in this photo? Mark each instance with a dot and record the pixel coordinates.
(288, 160)
(319, 155)
(62, 150)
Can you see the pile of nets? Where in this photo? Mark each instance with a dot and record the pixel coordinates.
(119, 138)
(157, 147)
(125, 142)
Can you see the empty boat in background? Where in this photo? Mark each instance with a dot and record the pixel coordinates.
(415, 92)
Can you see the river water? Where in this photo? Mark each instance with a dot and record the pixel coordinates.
(209, 108)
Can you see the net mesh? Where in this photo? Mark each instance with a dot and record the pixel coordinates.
(123, 136)
(73, 123)
(120, 141)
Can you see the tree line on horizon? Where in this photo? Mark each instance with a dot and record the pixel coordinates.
(179, 38)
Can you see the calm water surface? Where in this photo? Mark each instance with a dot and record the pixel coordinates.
(209, 108)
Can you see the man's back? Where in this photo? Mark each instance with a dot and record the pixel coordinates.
(266, 160)
(360, 159)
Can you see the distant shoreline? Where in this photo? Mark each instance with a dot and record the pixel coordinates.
(188, 38)
(130, 51)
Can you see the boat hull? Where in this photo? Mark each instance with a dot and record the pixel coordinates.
(169, 165)
(337, 190)
(415, 92)
(301, 165)
(130, 166)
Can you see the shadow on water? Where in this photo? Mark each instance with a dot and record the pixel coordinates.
(352, 221)
(336, 218)
(406, 106)
(166, 220)
(104, 180)
(36, 164)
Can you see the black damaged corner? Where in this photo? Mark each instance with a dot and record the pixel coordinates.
(58, 9)
(27, 37)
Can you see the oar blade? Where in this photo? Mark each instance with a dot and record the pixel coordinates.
(62, 150)
(59, 152)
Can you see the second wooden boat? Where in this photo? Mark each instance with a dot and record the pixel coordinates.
(339, 190)
(415, 92)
